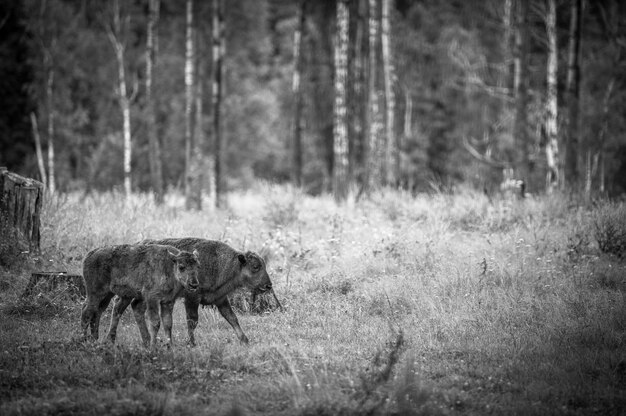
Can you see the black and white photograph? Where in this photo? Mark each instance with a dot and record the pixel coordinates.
(312, 207)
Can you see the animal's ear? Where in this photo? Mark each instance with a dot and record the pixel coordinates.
(196, 254)
(242, 259)
(265, 254)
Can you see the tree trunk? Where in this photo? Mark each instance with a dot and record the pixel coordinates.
(38, 151)
(573, 96)
(503, 79)
(156, 166)
(408, 113)
(189, 57)
(391, 148)
(340, 133)
(360, 95)
(218, 48)
(50, 109)
(361, 115)
(374, 126)
(507, 23)
(520, 88)
(298, 57)
(20, 206)
(118, 44)
(198, 162)
(552, 145)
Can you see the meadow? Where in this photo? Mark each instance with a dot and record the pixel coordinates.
(395, 305)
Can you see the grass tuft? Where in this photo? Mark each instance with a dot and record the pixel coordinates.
(610, 229)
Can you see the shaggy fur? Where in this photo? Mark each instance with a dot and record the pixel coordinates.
(148, 275)
(222, 271)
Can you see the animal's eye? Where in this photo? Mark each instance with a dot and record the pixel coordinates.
(256, 267)
(181, 268)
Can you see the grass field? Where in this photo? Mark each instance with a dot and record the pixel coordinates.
(434, 305)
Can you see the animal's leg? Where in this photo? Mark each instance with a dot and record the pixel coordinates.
(152, 313)
(191, 308)
(102, 306)
(227, 312)
(166, 319)
(139, 310)
(87, 317)
(119, 306)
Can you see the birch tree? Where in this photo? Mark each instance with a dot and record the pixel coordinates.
(391, 148)
(117, 37)
(374, 126)
(46, 34)
(200, 170)
(189, 67)
(520, 89)
(156, 169)
(552, 145)
(360, 95)
(340, 131)
(297, 94)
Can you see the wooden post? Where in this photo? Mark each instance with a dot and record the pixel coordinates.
(20, 206)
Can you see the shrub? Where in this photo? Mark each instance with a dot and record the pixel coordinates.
(610, 229)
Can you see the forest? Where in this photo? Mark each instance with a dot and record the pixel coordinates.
(436, 190)
(348, 96)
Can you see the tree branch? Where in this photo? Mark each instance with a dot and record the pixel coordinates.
(484, 158)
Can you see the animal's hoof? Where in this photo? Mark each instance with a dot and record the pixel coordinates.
(244, 340)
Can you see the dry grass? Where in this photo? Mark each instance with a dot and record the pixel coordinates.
(442, 304)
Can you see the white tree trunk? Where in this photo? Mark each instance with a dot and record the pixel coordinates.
(296, 168)
(38, 151)
(156, 168)
(49, 91)
(340, 131)
(552, 145)
(375, 127)
(118, 44)
(125, 105)
(189, 55)
(391, 148)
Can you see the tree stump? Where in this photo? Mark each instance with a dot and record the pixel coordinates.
(55, 281)
(20, 207)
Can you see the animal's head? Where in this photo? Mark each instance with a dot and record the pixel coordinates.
(186, 267)
(254, 273)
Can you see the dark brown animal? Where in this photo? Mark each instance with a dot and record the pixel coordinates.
(148, 275)
(222, 271)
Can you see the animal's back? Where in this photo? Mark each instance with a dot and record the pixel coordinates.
(216, 258)
(124, 266)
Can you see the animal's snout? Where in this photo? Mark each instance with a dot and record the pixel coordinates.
(192, 285)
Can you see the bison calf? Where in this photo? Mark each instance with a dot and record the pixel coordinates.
(149, 275)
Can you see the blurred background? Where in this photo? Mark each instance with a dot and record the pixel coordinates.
(336, 96)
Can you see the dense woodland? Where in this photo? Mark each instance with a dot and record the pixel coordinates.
(333, 96)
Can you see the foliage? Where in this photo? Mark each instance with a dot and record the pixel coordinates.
(610, 229)
(449, 68)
